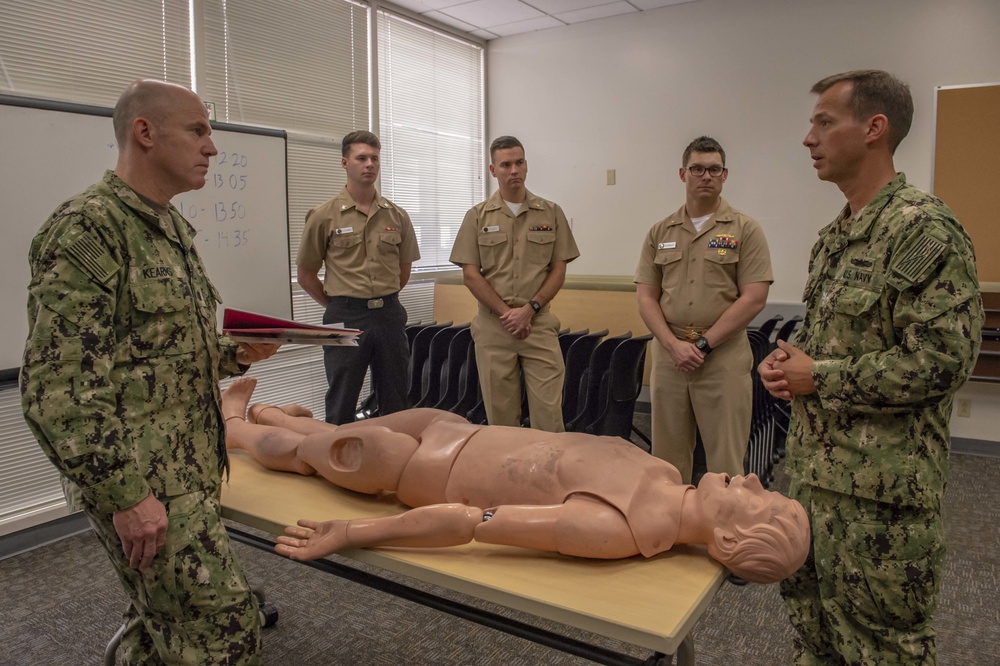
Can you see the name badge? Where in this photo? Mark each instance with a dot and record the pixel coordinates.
(666, 246)
(490, 230)
(344, 230)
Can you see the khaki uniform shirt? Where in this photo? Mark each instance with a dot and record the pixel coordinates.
(120, 380)
(700, 273)
(362, 252)
(893, 324)
(514, 254)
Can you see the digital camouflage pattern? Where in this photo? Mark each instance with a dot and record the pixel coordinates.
(120, 374)
(869, 588)
(893, 324)
(194, 602)
(119, 384)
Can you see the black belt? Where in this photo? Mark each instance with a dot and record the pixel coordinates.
(365, 303)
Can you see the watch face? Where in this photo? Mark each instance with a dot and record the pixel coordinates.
(701, 343)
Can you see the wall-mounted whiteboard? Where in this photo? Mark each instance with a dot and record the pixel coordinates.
(51, 151)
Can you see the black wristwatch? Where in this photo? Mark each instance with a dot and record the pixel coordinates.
(702, 345)
(535, 305)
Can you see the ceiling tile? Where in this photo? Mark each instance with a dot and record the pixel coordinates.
(654, 4)
(561, 6)
(601, 11)
(422, 6)
(488, 13)
(526, 26)
(450, 20)
(484, 34)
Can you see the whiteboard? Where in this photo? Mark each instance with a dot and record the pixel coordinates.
(52, 151)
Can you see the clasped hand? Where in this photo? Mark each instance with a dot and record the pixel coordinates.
(787, 372)
(517, 321)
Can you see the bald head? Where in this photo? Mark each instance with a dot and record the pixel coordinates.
(145, 98)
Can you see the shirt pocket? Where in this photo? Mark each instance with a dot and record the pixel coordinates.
(669, 263)
(388, 246)
(720, 269)
(540, 247)
(344, 242)
(162, 319)
(855, 301)
(491, 249)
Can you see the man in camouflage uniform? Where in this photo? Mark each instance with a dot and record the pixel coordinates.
(892, 330)
(120, 384)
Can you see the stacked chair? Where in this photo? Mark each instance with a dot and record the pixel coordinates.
(603, 377)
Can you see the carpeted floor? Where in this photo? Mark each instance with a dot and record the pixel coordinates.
(61, 604)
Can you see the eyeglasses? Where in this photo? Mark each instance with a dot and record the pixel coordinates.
(714, 171)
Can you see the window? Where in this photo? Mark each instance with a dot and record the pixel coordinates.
(87, 52)
(431, 127)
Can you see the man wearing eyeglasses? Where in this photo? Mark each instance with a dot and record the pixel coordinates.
(703, 275)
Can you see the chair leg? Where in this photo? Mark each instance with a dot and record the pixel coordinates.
(643, 437)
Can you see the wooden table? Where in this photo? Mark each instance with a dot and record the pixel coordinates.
(653, 603)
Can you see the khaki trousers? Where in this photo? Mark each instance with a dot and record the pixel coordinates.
(502, 358)
(716, 399)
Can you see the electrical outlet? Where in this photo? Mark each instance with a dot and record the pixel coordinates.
(963, 408)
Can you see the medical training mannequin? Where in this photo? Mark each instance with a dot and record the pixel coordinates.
(572, 493)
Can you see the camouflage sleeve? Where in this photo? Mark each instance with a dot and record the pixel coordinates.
(936, 318)
(228, 367)
(68, 398)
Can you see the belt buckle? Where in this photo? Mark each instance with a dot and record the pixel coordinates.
(375, 303)
(692, 335)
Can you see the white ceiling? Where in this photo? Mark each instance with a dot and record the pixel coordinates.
(489, 19)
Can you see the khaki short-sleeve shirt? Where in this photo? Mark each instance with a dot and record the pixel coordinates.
(700, 273)
(362, 252)
(514, 253)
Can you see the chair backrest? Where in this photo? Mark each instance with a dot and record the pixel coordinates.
(419, 351)
(590, 384)
(759, 458)
(437, 359)
(786, 330)
(620, 388)
(577, 359)
(468, 379)
(451, 373)
(567, 339)
(767, 328)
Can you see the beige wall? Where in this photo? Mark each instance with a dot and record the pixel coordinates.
(629, 92)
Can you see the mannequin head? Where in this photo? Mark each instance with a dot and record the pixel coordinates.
(759, 535)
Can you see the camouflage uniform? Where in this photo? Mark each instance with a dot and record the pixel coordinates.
(120, 387)
(893, 325)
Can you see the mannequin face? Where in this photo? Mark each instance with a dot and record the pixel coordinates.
(741, 501)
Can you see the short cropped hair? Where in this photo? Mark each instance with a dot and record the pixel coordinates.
(141, 99)
(502, 143)
(703, 144)
(358, 136)
(875, 91)
(766, 552)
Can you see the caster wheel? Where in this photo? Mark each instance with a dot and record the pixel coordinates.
(268, 615)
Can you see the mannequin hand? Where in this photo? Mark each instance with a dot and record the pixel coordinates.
(313, 539)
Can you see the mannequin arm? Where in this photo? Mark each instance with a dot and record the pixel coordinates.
(582, 526)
